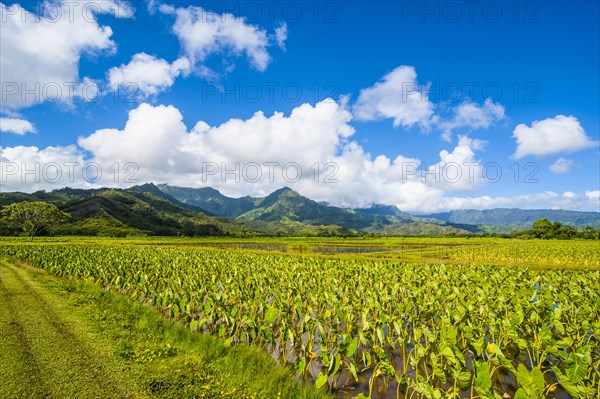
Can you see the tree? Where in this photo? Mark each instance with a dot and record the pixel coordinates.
(590, 233)
(543, 229)
(546, 230)
(33, 217)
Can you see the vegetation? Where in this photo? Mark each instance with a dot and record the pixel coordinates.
(518, 219)
(533, 252)
(547, 230)
(287, 207)
(172, 211)
(65, 338)
(378, 327)
(33, 217)
(120, 213)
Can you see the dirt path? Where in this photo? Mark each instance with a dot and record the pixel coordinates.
(45, 352)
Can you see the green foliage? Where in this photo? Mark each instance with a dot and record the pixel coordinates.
(33, 216)
(539, 252)
(146, 210)
(120, 213)
(84, 342)
(435, 329)
(547, 230)
(287, 207)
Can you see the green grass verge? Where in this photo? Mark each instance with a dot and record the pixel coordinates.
(71, 339)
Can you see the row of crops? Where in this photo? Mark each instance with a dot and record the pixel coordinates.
(545, 252)
(385, 329)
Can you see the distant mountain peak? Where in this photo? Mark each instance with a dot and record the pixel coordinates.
(386, 210)
(284, 190)
(147, 188)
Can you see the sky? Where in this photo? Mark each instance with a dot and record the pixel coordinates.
(429, 106)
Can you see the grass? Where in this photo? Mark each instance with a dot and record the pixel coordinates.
(71, 339)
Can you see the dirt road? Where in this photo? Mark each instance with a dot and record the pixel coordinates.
(45, 352)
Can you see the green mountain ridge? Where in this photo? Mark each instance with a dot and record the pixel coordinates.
(517, 218)
(120, 212)
(210, 200)
(287, 206)
(165, 210)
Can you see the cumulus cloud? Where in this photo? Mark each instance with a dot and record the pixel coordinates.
(149, 74)
(562, 165)
(458, 170)
(41, 52)
(202, 33)
(310, 149)
(550, 136)
(281, 34)
(30, 169)
(594, 196)
(156, 139)
(397, 96)
(16, 126)
(150, 139)
(473, 116)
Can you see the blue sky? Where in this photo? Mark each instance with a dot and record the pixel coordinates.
(437, 83)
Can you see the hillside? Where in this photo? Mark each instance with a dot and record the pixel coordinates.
(517, 218)
(164, 210)
(116, 212)
(286, 206)
(210, 200)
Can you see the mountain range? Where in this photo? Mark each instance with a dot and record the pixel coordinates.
(167, 210)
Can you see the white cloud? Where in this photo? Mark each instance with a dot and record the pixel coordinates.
(593, 195)
(562, 165)
(41, 52)
(473, 116)
(550, 136)
(16, 126)
(203, 33)
(150, 139)
(541, 200)
(29, 169)
(309, 134)
(149, 74)
(397, 96)
(166, 150)
(156, 139)
(458, 170)
(281, 34)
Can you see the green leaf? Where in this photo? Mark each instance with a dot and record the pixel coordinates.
(464, 379)
(353, 370)
(567, 384)
(448, 354)
(300, 365)
(523, 375)
(577, 367)
(521, 394)
(538, 380)
(533, 382)
(334, 366)
(483, 379)
(321, 380)
(271, 315)
(351, 348)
